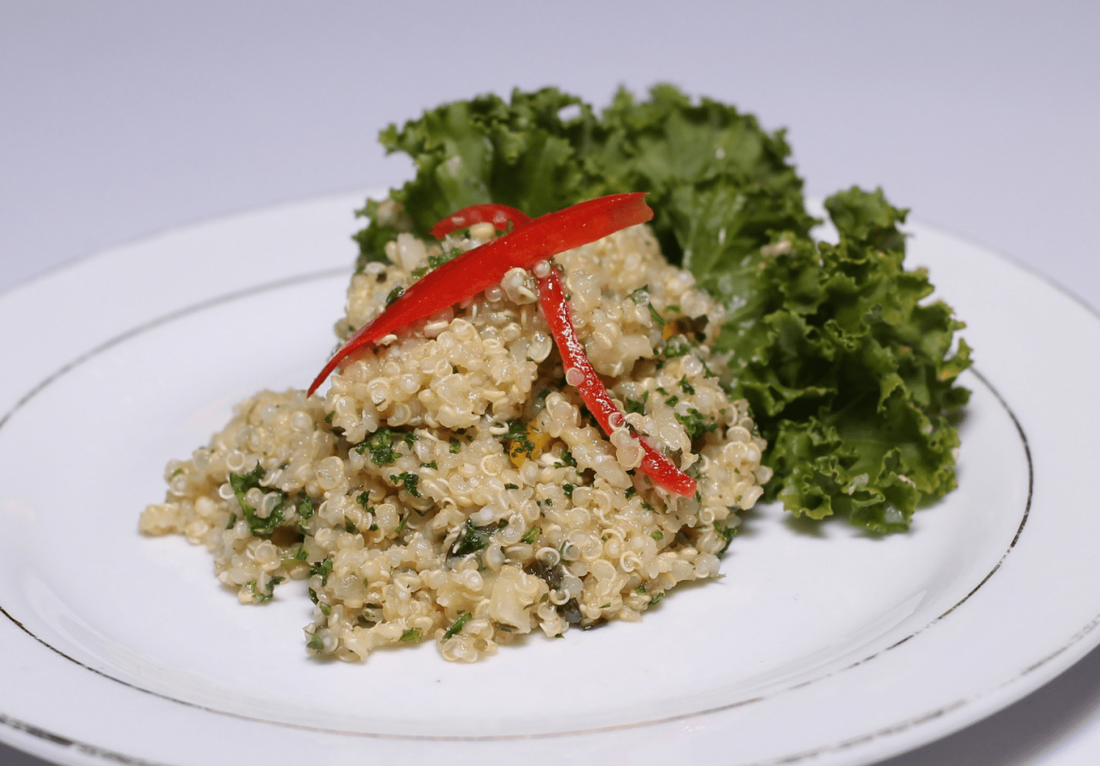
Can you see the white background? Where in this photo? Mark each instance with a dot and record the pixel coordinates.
(119, 120)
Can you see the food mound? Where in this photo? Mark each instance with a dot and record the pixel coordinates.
(451, 484)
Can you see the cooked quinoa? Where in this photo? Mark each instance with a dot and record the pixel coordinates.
(451, 486)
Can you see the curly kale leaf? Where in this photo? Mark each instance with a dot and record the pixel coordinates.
(850, 371)
(523, 153)
(544, 150)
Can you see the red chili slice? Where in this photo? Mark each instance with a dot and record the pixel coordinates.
(485, 266)
(491, 212)
(593, 393)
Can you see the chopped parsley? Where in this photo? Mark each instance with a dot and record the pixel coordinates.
(696, 423)
(473, 539)
(305, 512)
(410, 481)
(676, 346)
(636, 405)
(657, 318)
(381, 445)
(435, 261)
(519, 443)
(241, 484)
(262, 597)
(323, 568)
(726, 533)
(395, 293)
(457, 625)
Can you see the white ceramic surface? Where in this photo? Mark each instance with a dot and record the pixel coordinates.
(820, 644)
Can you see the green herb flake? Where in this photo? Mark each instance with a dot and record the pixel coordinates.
(656, 317)
(518, 441)
(262, 597)
(435, 261)
(457, 625)
(305, 509)
(260, 526)
(727, 534)
(676, 346)
(381, 445)
(696, 424)
(323, 568)
(410, 481)
(472, 539)
(394, 294)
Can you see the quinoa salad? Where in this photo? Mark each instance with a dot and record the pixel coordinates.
(450, 485)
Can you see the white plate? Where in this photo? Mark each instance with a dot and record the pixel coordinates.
(821, 644)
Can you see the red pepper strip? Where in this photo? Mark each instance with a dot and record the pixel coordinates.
(498, 215)
(485, 266)
(655, 464)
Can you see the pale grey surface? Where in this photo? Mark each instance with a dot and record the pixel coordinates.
(118, 120)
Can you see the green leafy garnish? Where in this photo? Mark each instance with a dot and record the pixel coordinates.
(322, 568)
(472, 539)
(261, 526)
(410, 481)
(457, 625)
(381, 445)
(531, 535)
(850, 371)
(268, 593)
